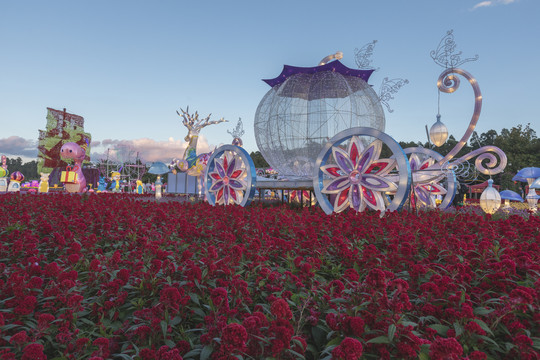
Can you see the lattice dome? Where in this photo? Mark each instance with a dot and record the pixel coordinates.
(308, 106)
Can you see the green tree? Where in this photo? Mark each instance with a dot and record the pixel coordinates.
(258, 160)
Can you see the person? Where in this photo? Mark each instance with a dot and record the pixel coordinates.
(458, 198)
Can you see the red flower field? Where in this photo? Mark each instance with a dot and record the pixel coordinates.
(111, 277)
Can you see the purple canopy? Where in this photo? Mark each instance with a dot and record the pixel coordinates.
(334, 66)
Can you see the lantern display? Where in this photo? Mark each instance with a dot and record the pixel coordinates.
(490, 200)
(438, 132)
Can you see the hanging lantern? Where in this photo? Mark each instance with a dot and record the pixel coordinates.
(438, 132)
(490, 200)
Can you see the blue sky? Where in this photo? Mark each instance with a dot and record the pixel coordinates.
(127, 66)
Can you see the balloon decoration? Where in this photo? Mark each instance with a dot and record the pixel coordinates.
(3, 179)
(73, 178)
(44, 183)
(114, 186)
(15, 184)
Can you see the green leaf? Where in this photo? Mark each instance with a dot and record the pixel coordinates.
(163, 328)
(483, 325)
(339, 301)
(380, 340)
(334, 341)
(319, 335)
(123, 356)
(195, 298)
(408, 323)
(170, 343)
(496, 345)
(206, 352)
(482, 310)
(440, 328)
(391, 332)
(175, 321)
(458, 328)
(192, 354)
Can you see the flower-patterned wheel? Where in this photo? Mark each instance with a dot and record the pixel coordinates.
(230, 177)
(350, 174)
(429, 179)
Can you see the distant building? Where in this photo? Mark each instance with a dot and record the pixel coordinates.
(62, 127)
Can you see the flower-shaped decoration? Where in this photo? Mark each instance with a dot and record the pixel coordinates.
(227, 180)
(425, 179)
(359, 177)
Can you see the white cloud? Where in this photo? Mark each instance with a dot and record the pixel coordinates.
(148, 150)
(483, 4)
(489, 3)
(16, 146)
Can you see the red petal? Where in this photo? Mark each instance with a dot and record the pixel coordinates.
(368, 196)
(333, 171)
(354, 153)
(380, 165)
(233, 193)
(236, 174)
(343, 196)
(219, 194)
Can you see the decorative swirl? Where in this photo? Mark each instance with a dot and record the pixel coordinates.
(336, 56)
(363, 55)
(464, 171)
(445, 55)
(449, 83)
(485, 154)
(388, 88)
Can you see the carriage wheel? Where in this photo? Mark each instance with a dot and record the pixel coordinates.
(430, 179)
(350, 173)
(230, 177)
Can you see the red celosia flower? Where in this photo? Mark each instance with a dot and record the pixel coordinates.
(147, 354)
(33, 352)
(356, 325)
(45, 321)
(523, 342)
(376, 278)
(26, 306)
(477, 355)
(170, 297)
(234, 337)
(351, 275)
(474, 328)
(280, 309)
(219, 298)
(19, 338)
(349, 349)
(299, 348)
(445, 349)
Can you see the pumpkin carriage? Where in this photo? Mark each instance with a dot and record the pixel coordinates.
(323, 129)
